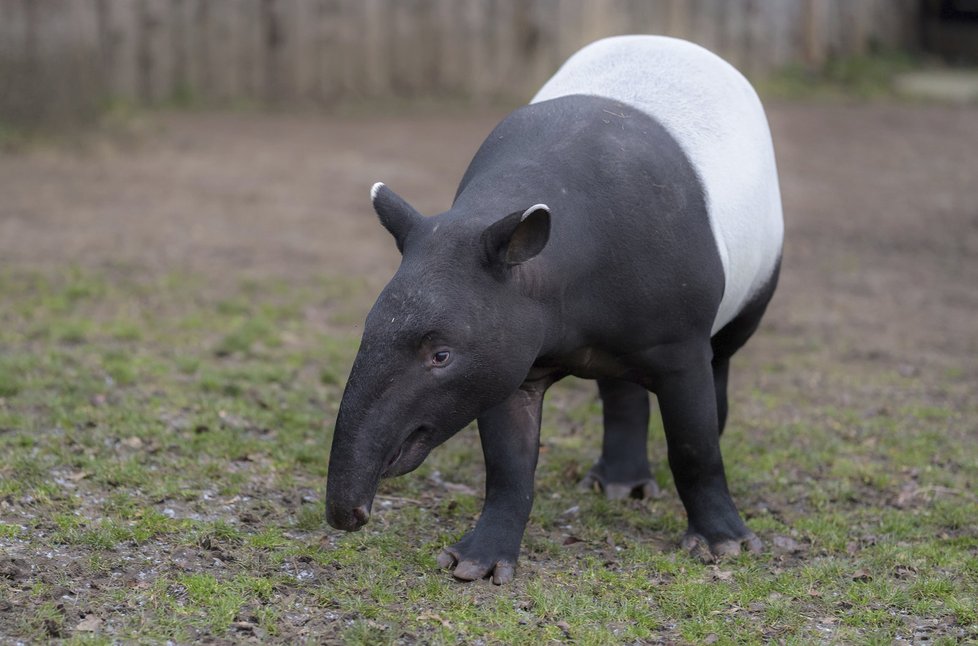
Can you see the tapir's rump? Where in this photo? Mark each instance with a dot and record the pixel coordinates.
(716, 118)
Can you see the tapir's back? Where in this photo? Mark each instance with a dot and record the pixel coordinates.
(715, 116)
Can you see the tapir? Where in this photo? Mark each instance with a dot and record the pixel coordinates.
(624, 226)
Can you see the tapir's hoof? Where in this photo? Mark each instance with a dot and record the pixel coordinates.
(641, 489)
(501, 571)
(698, 546)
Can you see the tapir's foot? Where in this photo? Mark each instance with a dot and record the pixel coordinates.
(473, 561)
(640, 488)
(697, 545)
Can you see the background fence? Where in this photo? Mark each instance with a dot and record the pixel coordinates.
(66, 57)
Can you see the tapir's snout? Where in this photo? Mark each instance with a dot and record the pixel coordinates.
(349, 520)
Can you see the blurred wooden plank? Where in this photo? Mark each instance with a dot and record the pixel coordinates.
(118, 47)
(180, 43)
(850, 26)
(197, 16)
(319, 50)
(537, 45)
(403, 19)
(652, 17)
(305, 51)
(450, 68)
(815, 21)
(475, 28)
(763, 19)
(66, 47)
(503, 48)
(376, 53)
(598, 20)
(250, 48)
(428, 48)
(734, 37)
(570, 27)
(222, 34)
(706, 23)
(786, 34)
(15, 69)
(834, 28)
(153, 55)
(273, 51)
(679, 18)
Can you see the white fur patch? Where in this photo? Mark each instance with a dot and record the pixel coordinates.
(715, 116)
(375, 189)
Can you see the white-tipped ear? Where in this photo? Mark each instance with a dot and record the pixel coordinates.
(518, 237)
(395, 214)
(535, 207)
(374, 190)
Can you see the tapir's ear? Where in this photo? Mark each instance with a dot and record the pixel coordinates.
(395, 214)
(517, 237)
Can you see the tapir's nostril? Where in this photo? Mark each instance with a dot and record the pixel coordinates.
(362, 515)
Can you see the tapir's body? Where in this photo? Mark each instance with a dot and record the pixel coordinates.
(625, 226)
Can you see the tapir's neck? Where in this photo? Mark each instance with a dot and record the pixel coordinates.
(548, 279)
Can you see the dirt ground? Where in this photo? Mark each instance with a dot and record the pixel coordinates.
(880, 270)
(881, 204)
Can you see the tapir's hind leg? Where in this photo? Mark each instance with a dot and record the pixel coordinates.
(623, 469)
(687, 401)
(721, 368)
(732, 336)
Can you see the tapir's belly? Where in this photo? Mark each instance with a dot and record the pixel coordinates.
(715, 116)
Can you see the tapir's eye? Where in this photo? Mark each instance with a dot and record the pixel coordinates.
(440, 358)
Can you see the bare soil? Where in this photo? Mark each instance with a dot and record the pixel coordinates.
(881, 204)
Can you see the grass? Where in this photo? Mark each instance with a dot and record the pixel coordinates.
(165, 457)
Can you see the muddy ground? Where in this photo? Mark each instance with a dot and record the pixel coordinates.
(880, 269)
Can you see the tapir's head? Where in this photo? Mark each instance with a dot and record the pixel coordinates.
(454, 333)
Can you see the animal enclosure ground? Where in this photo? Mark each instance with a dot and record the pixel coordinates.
(179, 306)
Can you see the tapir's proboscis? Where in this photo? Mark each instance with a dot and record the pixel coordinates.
(625, 226)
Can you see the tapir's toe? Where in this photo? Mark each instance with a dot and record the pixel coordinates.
(697, 545)
(644, 488)
(468, 570)
(446, 559)
(503, 573)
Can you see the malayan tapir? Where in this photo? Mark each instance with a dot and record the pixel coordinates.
(625, 226)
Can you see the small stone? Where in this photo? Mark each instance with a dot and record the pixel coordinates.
(89, 624)
(133, 443)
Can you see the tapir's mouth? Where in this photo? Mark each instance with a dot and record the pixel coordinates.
(410, 454)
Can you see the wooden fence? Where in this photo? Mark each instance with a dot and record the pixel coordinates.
(66, 57)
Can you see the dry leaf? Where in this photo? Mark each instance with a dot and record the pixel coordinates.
(435, 617)
(862, 575)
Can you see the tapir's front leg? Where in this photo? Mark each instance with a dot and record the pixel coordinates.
(510, 434)
(687, 400)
